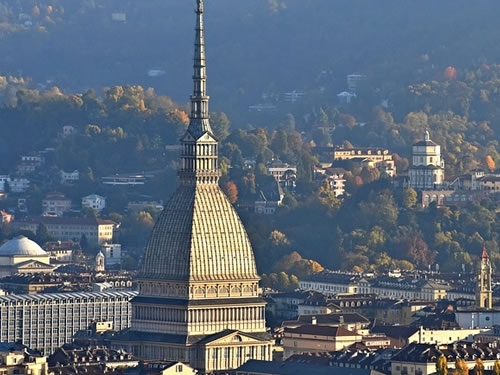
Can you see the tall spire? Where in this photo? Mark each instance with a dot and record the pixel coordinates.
(199, 100)
(199, 160)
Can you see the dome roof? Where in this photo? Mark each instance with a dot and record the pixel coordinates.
(199, 237)
(21, 246)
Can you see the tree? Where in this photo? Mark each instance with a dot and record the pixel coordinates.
(283, 281)
(42, 234)
(279, 143)
(496, 367)
(231, 191)
(450, 73)
(89, 212)
(479, 367)
(461, 367)
(84, 242)
(220, 124)
(279, 239)
(442, 365)
(409, 197)
(490, 163)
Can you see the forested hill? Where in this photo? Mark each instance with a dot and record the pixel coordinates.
(253, 45)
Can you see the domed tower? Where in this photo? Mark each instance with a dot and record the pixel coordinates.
(427, 165)
(198, 296)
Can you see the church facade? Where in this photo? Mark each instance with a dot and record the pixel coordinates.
(199, 299)
(427, 165)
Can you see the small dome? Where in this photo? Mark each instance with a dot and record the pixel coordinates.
(21, 246)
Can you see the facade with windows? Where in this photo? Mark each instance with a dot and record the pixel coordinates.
(97, 231)
(47, 321)
(376, 157)
(112, 253)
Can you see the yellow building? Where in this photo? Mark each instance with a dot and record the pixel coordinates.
(15, 360)
(375, 157)
(314, 338)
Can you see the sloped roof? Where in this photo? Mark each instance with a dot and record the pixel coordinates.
(199, 237)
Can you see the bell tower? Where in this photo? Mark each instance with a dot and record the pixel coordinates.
(484, 294)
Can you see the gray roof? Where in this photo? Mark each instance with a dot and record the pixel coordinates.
(20, 298)
(21, 246)
(284, 368)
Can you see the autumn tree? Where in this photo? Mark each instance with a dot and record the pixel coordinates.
(479, 367)
(231, 191)
(442, 365)
(278, 238)
(489, 162)
(496, 367)
(450, 73)
(461, 367)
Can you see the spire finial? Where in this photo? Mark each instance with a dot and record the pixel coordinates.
(199, 100)
(484, 255)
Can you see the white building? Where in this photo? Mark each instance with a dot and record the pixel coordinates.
(21, 255)
(70, 177)
(15, 184)
(427, 166)
(55, 204)
(112, 253)
(333, 283)
(45, 322)
(94, 201)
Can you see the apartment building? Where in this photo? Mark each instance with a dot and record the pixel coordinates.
(97, 231)
(45, 322)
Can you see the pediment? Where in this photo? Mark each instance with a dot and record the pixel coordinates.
(234, 338)
(208, 138)
(33, 264)
(187, 137)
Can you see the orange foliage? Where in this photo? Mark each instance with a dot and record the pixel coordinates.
(490, 163)
(231, 191)
(180, 116)
(450, 73)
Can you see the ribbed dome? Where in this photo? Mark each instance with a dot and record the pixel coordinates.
(21, 246)
(199, 237)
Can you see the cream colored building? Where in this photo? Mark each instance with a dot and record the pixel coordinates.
(21, 255)
(379, 158)
(55, 204)
(427, 166)
(420, 359)
(97, 231)
(199, 299)
(315, 339)
(21, 362)
(445, 336)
